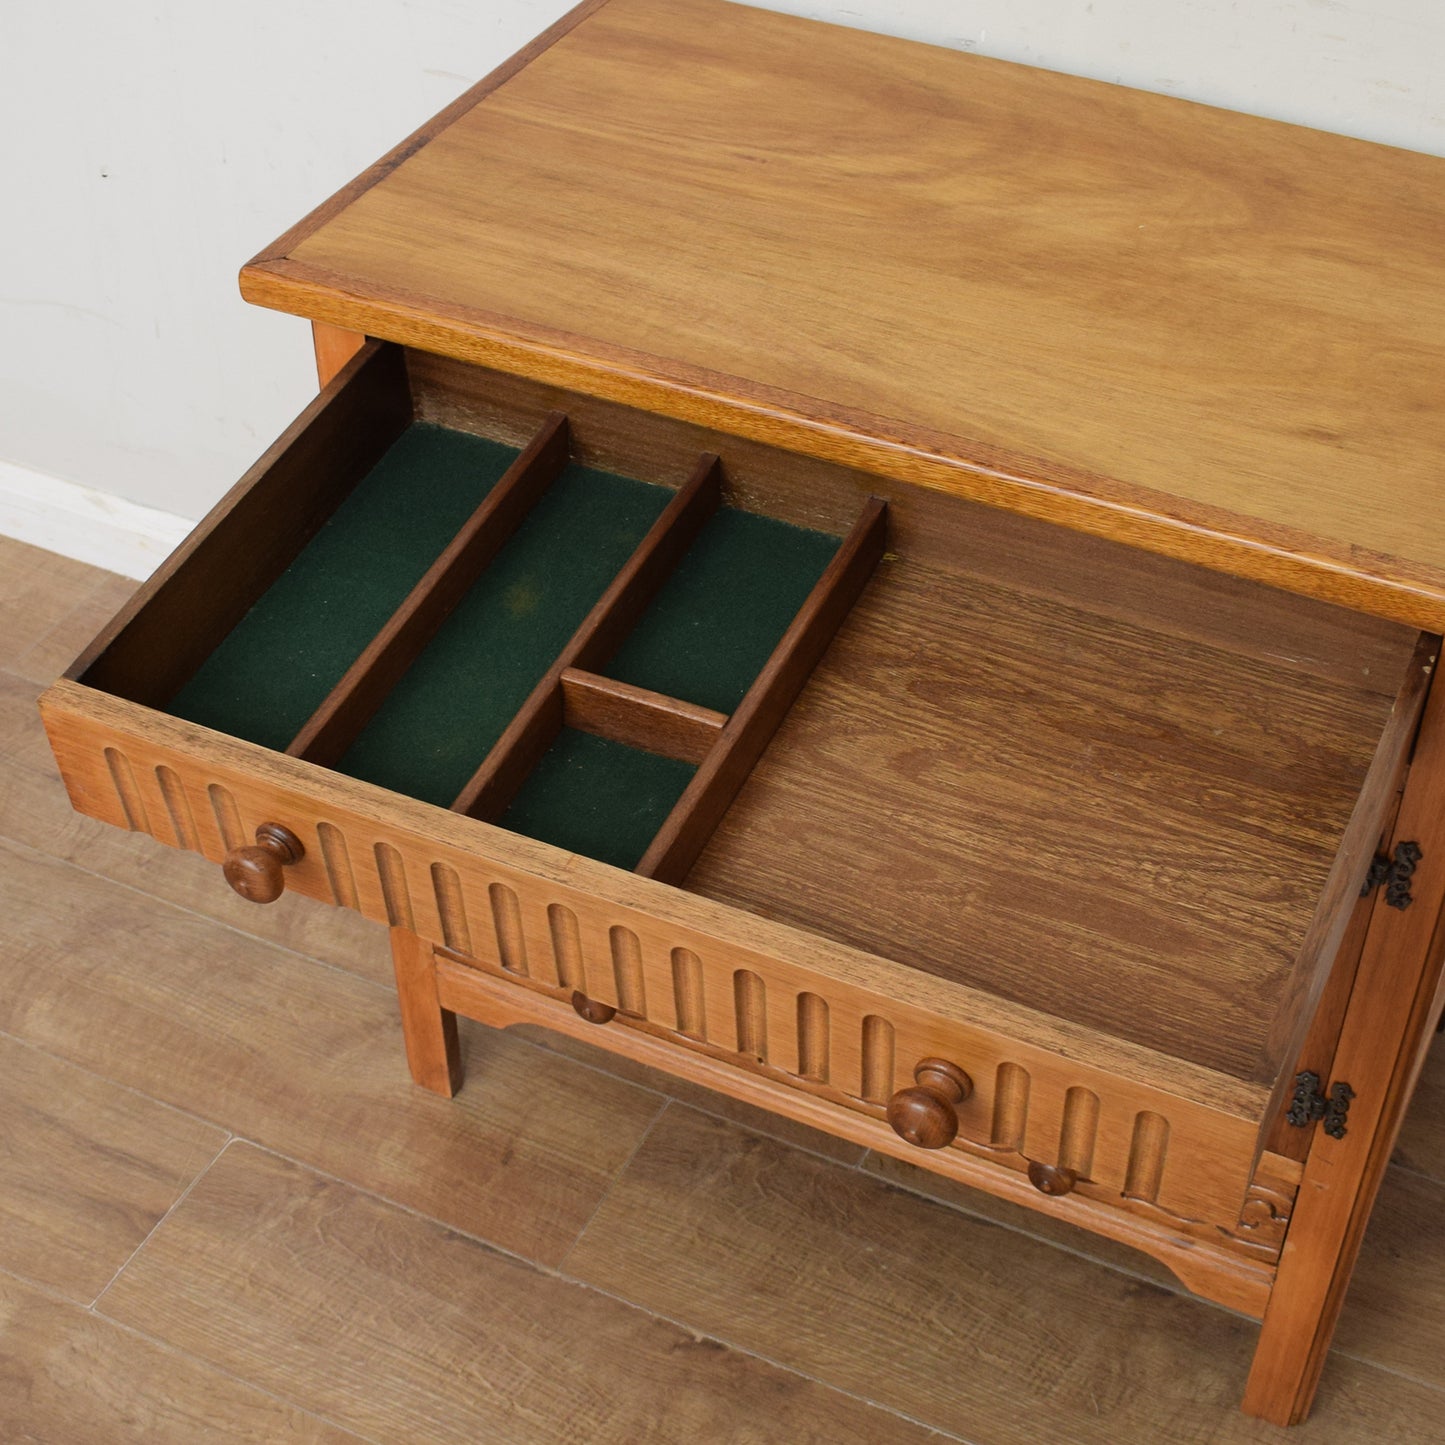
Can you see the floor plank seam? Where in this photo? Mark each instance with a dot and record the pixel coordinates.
(175, 1352)
(723, 1117)
(41, 1287)
(176, 1203)
(701, 1334)
(757, 1129)
(1413, 1173)
(612, 1183)
(610, 1180)
(705, 1107)
(366, 1191)
(1394, 1371)
(1171, 1287)
(596, 1068)
(475, 1028)
(555, 1272)
(116, 1084)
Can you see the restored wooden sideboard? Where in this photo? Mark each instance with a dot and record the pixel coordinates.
(899, 586)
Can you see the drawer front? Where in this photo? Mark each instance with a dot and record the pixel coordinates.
(1173, 1146)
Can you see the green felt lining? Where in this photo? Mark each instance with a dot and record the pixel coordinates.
(598, 798)
(457, 698)
(717, 619)
(705, 637)
(279, 662)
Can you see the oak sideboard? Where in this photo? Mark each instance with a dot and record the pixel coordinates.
(899, 586)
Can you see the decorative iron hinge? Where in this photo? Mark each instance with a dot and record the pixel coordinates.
(1395, 873)
(1309, 1104)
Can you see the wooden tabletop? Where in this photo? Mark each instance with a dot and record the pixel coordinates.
(1213, 336)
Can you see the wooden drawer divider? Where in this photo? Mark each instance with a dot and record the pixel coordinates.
(351, 704)
(573, 693)
(741, 742)
(638, 716)
(536, 725)
(157, 641)
(725, 748)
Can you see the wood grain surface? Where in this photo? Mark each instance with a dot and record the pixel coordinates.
(926, 526)
(1394, 1008)
(757, 1120)
(609, 620)
(334, 348)
(637, 716)
(383, 167)
(398, 867)
(843, 1277)
(354, 700)
(1204, 1252)
(332, 1297)
(1421, 1146)
(433, 1042)
(757, 717)
(1314, 997)
(34, 811)
(87, 1170)
(1117, 825)
(1212, 335)
(1396, 1303)
(71, 1377)
(1117, 1255)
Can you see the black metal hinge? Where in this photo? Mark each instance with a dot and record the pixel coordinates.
(1309, 1104)
(1395, 873)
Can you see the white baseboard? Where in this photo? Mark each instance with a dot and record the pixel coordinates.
(87, 525)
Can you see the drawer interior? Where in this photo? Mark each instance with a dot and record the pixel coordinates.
(504, 630)
(1155, 834)
(1117, 789)
(277, 665)
(453, 703)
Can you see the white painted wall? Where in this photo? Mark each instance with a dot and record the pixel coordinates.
(152, 147)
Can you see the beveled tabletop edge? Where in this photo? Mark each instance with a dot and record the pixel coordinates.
(1242, 546)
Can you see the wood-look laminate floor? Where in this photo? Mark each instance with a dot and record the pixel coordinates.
(226, 1213)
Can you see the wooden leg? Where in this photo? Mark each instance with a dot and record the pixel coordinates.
(1388, 1027)
(334, 348)
(430, 1031)
(1304, 1306)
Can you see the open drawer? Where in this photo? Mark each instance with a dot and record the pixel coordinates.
(633, 735)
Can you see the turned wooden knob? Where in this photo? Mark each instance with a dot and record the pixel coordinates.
(927, 1115)
(591, 1010)
(1052, 1178)
(256, 871)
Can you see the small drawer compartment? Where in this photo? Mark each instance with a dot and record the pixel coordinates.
(266, 677)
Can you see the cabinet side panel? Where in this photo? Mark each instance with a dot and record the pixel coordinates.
(1337, 905)
(1387, 1028)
